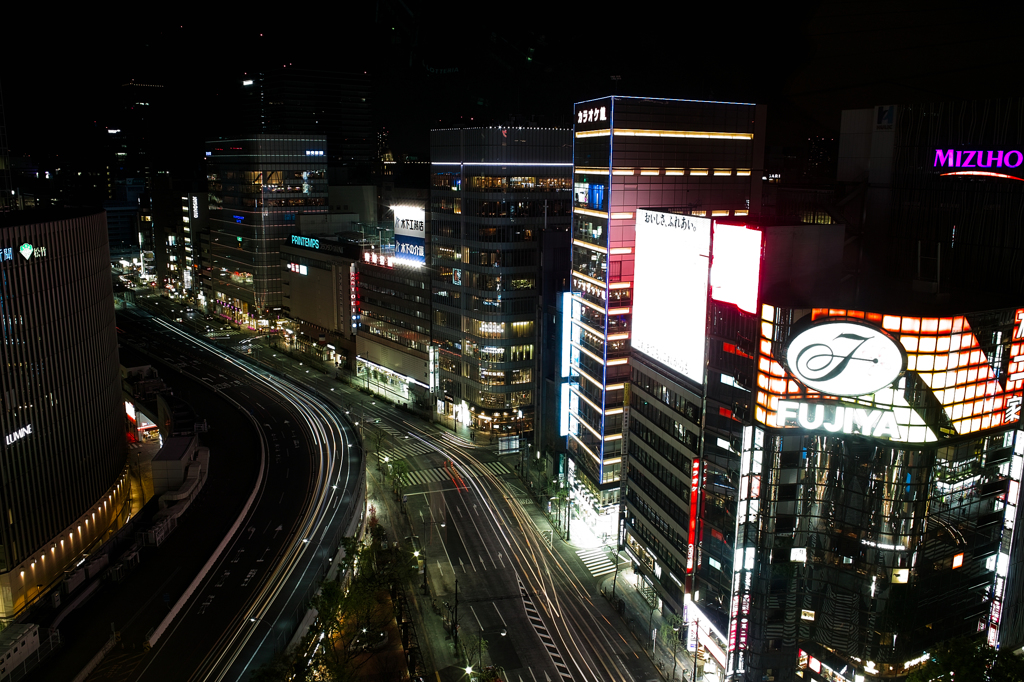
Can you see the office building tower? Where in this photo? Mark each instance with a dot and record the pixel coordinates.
(494, 190)
(63, 461)
(853, 483)
(257, 187)
(630, 153)
(295, 100)
(180, 235)
(396, 359)
(938, 187)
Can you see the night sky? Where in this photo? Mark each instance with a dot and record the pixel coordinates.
(435, 65)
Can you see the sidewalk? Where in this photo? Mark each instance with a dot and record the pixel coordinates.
(637, 615)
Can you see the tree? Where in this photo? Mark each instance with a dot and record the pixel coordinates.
(969, 660)
(670, 636)
(378, 442)
(399, 471)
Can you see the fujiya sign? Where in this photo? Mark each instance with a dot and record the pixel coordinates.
(845, 358)
(837, 418)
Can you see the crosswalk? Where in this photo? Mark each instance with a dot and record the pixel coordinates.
(425, 476)
(596, 560)
(398, 445)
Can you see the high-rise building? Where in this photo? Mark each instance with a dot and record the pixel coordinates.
(63, 461)
(630, 153)
(257, 187)
(938, 186)
(494, 191)
(822, 490)
(295, 100)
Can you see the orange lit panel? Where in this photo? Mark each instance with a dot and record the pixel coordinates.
(946, 356)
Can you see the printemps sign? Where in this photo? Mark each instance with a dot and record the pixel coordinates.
(899, 378)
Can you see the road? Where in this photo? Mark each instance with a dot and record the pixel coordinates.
(532, 597)
(280, 545)
(542, 594)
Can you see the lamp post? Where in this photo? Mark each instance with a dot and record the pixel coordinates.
(426, 524)
(568, 514)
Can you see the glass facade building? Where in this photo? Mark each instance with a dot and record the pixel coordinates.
(875, 525)
(494, 190)
(839, 492)
(629, 153)
(257, 187)
(63, 466)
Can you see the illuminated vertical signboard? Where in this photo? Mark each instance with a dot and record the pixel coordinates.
(670, 284)
(410, 233)
(747, 540)
(694, 497)
(736, 266)
(1002, 559)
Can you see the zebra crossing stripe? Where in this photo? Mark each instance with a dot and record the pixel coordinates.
(424, 476)
(596, 561)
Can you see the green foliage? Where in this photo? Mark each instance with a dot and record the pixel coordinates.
(399, 472)
(969, 660)
(345, 614)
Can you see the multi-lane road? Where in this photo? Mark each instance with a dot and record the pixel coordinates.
(532, 597)
(252, 593)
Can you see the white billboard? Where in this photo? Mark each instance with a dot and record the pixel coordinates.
(410, 232)
(670, 289)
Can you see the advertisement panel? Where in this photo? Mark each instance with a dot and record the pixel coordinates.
(893, 377)
(736, 266)
(410, 232)
(670, 287)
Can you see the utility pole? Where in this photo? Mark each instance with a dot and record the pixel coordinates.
(455, 621)
(568, 515)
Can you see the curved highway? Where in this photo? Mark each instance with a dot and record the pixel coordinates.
(253, 592)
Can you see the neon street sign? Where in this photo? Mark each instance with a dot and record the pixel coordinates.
(979, 162)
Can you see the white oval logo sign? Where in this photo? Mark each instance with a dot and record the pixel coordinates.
(844, 358)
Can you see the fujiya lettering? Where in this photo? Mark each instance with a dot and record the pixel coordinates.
(973, 158)
(835, 418)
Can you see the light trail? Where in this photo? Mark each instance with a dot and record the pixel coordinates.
(588, 643)
(326, 434)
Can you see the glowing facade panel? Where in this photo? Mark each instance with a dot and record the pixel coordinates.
(951, 387)
(671, 258)
(736, 266)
